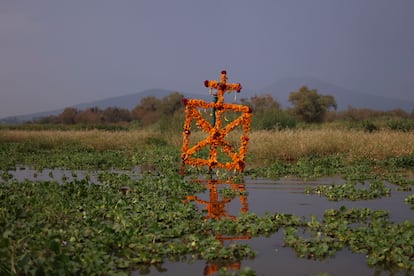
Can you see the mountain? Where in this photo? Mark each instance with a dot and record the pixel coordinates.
(281, 89)
(124, 101)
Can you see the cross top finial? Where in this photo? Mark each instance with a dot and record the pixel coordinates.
(223, 76)
(222, 85)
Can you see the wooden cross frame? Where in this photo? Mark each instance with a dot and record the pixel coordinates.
(216, 132)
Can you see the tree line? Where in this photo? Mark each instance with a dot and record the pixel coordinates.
(147, 112)
(308, 106)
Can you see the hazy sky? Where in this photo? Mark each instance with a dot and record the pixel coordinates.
(59, 53)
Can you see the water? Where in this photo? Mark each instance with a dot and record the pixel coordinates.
(286, 195)
(60, 175)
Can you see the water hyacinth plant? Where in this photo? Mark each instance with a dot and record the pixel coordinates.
(102, 218)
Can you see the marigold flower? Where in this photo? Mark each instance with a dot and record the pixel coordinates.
(217, 133)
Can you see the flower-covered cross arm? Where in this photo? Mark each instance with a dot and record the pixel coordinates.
(223, 85)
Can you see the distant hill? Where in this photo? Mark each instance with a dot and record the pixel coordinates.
(279, 90)
(125, 101)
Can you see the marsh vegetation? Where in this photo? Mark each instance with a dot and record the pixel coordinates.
(102, 216)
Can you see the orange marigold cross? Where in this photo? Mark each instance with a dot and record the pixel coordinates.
(215, 130)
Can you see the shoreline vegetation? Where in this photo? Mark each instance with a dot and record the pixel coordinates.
(265, 147)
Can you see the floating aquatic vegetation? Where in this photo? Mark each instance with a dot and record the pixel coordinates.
(410, 200)
(385, 243)
(70, 224)
(351, 191)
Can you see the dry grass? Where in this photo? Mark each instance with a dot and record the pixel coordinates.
(96, 139)
(289, 145)
(292, 144)
(264, 145)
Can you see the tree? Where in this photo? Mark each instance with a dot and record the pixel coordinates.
(67, 116)
(172, 112)
(116, 115)
(309, 106)
(91, 115)
(148, 111)
(261, 103)
(267, 113)
(171, 103)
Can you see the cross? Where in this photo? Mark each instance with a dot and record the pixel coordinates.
(222, 86)
(216, 131)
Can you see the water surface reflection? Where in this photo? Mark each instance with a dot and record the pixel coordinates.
(229, 198)
(221, 193)
(287, 195)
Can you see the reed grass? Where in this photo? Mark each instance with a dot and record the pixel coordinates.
(356, 145)
(94, 139)
(264, 146)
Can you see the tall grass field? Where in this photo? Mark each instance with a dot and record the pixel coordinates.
(264, 146)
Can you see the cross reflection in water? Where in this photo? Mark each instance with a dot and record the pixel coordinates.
(217, 206)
